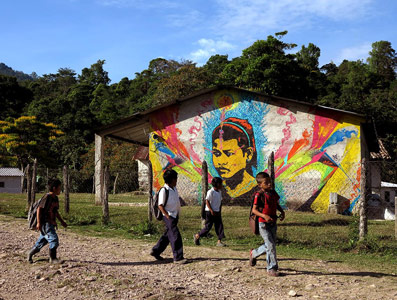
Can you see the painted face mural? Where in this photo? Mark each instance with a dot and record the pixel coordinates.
(317, 152)
(234, 154)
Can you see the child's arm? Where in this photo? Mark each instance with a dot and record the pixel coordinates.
(207, 202)
(61, 220)
(39, 212)
(162, 209)
(280, 209)
(256, 212)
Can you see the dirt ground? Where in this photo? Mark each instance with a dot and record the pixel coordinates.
(98, 268)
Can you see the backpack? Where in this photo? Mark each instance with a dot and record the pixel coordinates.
(155, 207)
(32, 214)
(254, 219)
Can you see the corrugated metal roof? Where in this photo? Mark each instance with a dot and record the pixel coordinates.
(388, 184)
(11, 172)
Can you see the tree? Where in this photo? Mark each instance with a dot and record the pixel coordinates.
(383, 60)
(26, 139)
(95, 75)
(13, 97)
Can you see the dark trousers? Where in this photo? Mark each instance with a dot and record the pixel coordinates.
(213, 220)
(171, 236)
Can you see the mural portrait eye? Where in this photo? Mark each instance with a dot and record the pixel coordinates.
(216, 153)
(228, 153)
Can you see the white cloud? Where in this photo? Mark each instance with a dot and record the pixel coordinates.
(184, 20)
(209, 47)
(354, 53)
(253, 18)
(142, 4)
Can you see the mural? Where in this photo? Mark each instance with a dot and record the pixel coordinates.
(316, 153)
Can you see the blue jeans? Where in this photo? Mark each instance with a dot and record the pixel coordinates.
(268, 232)
(50, 236)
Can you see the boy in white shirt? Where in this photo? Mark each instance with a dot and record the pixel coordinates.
(213, 213)
(170, 207)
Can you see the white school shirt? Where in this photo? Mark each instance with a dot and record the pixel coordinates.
(173, 204)
(215, 199)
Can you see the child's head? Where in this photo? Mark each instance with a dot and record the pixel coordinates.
(170, 177)
(263, 180)
(54, 186)
(216, 182)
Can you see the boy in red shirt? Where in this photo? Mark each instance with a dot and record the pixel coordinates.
(265, 207)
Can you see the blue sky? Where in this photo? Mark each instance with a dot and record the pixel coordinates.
(45, 35)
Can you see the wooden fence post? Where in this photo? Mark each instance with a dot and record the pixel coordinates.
(395, 216)
(204, 189)
(270, 167)
(34, 178)
(105, 197)
(363, 226)
(66, 188)
(28, 187)
(115, 183)
(150, 196)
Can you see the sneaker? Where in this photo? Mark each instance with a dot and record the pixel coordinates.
(156, 256)
(181, 261)
(272, 273)
(196, 240)
(252, 259)
(220, 244)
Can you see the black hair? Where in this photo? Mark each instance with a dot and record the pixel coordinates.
(242, 131)
(261, 176)
(53, 183)
(216, 181)
(170, 175)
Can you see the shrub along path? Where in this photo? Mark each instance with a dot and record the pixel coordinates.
(100, 268)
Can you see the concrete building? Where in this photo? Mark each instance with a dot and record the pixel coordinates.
(10, 180)
(318, 150)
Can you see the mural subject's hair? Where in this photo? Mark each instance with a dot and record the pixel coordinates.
(53, 184)
(261, 176)
(170, 175)
(242, 131)
(216, 181)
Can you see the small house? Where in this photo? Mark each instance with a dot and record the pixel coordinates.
(11, 180)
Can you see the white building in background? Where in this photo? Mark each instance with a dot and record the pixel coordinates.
(388, 192)
(10, 180)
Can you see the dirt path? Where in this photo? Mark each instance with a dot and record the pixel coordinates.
(97, 268)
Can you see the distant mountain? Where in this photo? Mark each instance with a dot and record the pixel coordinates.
(6, 70)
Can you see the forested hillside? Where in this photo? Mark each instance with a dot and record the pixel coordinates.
(6, 70)
(77, 103)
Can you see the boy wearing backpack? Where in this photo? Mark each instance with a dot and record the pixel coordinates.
(213, 204)
(267, 198)
(47, 213)
(170, 208)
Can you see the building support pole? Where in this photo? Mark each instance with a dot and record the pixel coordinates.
(99, 170)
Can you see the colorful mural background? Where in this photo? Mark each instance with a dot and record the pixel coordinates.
(316, 153)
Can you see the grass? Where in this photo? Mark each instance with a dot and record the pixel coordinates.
(301, 235)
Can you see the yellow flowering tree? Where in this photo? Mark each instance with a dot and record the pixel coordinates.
(25, 138)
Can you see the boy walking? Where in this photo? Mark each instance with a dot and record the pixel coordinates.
(169, 205)
(47, 213)
(213, 204)
(265, 207)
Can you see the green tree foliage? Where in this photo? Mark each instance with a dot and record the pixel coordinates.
(13, 97)
(383, 61)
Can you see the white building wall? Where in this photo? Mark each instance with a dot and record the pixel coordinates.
(11, 184)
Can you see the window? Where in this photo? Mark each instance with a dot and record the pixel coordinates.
(1, 184)
(387, 196)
